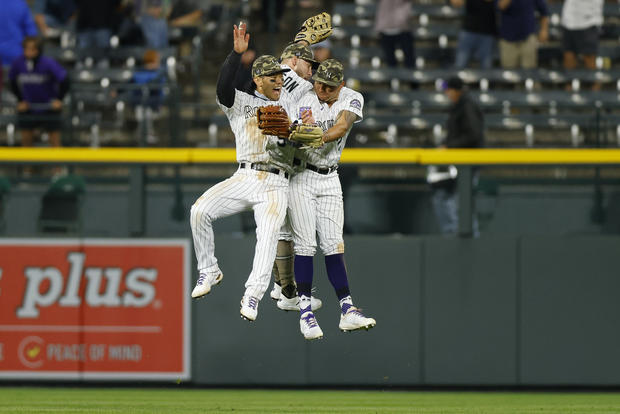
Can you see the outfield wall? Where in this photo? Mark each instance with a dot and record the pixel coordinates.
(504, 309)
(529, 310)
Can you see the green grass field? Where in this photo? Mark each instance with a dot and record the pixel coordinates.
(170, 400)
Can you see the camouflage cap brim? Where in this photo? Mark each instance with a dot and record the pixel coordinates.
(298, 50)
(267, 65)
(317, 78)
(275, 72)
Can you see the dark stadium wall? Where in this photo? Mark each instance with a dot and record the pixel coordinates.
(505, 309)
(369, 209)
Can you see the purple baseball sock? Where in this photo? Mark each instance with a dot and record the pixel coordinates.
(337, 274)
(303, 275)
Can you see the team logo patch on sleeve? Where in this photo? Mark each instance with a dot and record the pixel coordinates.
(356, 104)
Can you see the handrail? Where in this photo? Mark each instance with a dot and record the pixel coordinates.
(420, 156)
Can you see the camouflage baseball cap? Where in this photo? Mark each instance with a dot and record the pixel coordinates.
(298, 50)
(266, 65)
(330, 72)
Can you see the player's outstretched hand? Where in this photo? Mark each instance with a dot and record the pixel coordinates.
(241, 39)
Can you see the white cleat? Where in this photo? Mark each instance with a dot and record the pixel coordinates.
(204, 284)
(249, 308)
(287, 304)
(276, 292)
(309, 327)
(292, 304)
(315, 303)
(354, 320)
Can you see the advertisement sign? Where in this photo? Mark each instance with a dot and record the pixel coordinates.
(94, 309)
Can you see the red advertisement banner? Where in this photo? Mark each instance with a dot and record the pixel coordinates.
(94, 309)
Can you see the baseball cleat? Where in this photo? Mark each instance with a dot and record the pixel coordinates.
(315, 303)
(202, 287)
(292, 304)
(216, 279)
(353, 320)
(309, 327)
(204, 284)
(287, 304)
(276, 292)
(249, 308)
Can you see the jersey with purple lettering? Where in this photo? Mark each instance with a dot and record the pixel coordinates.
(252, 145)
(315, 204)
(325, 116)
(265, 192)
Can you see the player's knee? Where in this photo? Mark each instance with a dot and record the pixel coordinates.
(305, 250)
(199, 214)
(333, 248)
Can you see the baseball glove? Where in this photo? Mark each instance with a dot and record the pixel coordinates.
(273, 120)
(307, 135)
(315, 28)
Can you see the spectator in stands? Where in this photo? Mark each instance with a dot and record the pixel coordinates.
(581, 25)
(15, 24)
(393, 23)
(153, 20)
(322, 50)
(39, 83)
(518, 44)
(157, 15)
(148, 99)
(272, 12)
(53, 15)
(465, 129)
(185, 13)
(95, 25)
(477, 36)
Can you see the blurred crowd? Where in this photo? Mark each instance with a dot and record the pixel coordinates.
(511, 30)
(95, 23)
(91, 28)
(515, 27)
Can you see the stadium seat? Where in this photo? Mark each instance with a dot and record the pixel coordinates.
(5, 186)
(61, 206)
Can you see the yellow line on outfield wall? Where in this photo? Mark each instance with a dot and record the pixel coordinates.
(350, 155)
(119, 155)
(520, 156)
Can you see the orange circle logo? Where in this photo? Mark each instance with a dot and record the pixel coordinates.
(30, 352)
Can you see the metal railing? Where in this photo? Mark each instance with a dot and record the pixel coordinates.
(464, 159)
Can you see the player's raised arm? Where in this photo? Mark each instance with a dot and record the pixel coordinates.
(225, 81)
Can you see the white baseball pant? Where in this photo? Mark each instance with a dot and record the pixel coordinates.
(264, 192)
(316, 207)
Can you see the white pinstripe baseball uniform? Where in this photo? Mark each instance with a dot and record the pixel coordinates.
(315, 195)
(265, 191)
(293, 83)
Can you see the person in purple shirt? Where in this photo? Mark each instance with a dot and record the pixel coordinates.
(518, 44)
(39, 83)
(15, 23)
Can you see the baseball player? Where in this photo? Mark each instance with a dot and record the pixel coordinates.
(315, 195)
(260, 183)
(299, 58)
